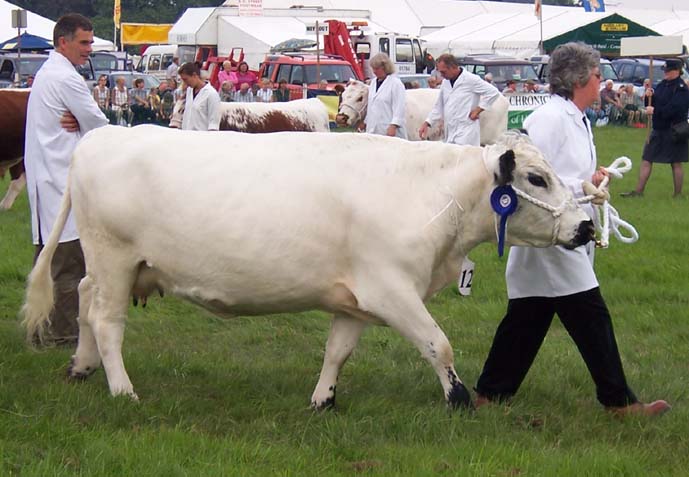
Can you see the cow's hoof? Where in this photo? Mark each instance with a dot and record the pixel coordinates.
(79, 375)
(459, 397)
(326, 405)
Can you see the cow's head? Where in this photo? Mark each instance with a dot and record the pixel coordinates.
(542, 210)
(353, 103)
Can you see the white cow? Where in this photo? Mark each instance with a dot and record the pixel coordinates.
(420, 101)
(280, 229)
(308, 115)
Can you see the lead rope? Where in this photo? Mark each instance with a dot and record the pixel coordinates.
(606, 217)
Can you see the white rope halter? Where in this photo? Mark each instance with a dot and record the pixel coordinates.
(605, 216)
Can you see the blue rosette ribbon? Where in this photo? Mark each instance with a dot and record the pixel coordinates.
(504, 202)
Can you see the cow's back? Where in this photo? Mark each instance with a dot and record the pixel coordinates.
(308, 115)
(12, 124)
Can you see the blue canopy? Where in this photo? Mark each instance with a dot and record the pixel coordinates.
(29, 42)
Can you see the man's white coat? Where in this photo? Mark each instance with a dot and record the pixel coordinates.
(456, 102)
(58, 88)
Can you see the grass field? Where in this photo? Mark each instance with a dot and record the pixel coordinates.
(230, 397)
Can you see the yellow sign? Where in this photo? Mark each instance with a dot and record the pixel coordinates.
(145, 33)
(116, 11)
(614, 27)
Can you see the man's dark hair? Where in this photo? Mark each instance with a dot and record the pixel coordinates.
(190, 69)
(67, 26)
(448, 59)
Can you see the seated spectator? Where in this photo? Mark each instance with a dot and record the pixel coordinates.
(265, 94)
(244, 75)
(323, 84)
(530, 86)
(631, 104)
(226, 74)
(119, 103)
(167, 103)
(101, 94)
(154, 102)
(610, 102)
(511, 87)
(28, 83)
(139, 103)
(596, 114)
(244, 94)
(488, 78)
(226, 91)
(282, 93)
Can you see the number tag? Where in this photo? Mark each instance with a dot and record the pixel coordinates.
(466, 276)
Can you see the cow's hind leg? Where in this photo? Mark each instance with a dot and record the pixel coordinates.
(344, 336)
(86, 359)
(406, 313)
(107, 319)
(13, 191)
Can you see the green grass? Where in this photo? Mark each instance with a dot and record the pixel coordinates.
(231, 397)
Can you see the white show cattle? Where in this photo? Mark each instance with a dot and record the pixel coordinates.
(308, 115)
(295, 222)
(420, 101)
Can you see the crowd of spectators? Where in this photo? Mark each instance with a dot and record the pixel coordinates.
(137, 105)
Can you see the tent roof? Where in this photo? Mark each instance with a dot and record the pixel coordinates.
(28, 42)
(37, 25)
(188, 25)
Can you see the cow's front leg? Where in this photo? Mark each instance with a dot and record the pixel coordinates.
(13, 191)
(345, 332)
(406, 313)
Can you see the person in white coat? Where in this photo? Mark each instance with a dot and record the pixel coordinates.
(386, 100)
(61, 109)
(202, 102)
(463, 96)
(547, 281)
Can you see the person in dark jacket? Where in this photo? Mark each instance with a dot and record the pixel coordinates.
(670, 105)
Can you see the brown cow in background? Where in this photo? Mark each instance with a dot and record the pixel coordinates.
(12, 125)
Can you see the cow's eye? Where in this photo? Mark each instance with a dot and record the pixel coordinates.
(537, 180)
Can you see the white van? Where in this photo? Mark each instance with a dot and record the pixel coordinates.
(157, 58)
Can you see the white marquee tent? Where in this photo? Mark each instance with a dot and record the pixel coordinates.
(37, 25)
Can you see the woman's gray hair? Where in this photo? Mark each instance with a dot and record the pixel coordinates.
(381, 59)
(571, 64)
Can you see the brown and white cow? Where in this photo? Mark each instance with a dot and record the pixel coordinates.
(308, 115)
(368, 234)
(12, 125)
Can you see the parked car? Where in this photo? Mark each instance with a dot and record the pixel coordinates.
(300, 69)
(502, 68)
(28, 65)
(150, 81)
(409, 80)
(106, 61)
(636, 70)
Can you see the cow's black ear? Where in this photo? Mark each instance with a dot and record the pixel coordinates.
(507, 166)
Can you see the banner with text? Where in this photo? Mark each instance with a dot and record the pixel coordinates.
(521, 105)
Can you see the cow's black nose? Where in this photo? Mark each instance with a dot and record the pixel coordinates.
(585, 233)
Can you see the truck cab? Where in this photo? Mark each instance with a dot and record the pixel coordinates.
(404, 50)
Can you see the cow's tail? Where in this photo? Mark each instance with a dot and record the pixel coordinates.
(40, 297)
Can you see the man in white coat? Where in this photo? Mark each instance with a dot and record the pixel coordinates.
(202, 102)
(60, 111)
(463, 96)
(548, 281)
(386, 100)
